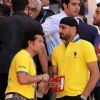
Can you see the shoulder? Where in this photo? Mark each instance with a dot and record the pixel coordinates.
(19, 18)
(54, 18)
(85, 43)
(57, 48)
(83, 24)
(93, 28)
(22, 54)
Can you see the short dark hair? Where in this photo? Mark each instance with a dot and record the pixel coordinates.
(31, 32)
(4, 10)
(64, 1)
(82, 9)
(19, 5)
(98, 4)
(70, 21)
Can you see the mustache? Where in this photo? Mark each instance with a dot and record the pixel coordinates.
(61, 35)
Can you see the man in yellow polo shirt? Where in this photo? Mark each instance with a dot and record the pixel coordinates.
(22, 73)
(76, 60)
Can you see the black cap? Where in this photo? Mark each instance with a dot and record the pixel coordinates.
(70, 21)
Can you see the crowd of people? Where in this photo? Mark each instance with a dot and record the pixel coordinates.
(38, 43)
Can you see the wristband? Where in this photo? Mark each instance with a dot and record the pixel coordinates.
(83, 97)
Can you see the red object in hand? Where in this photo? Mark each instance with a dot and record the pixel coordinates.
(60, 83)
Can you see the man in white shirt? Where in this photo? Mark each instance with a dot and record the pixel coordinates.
(51, 25)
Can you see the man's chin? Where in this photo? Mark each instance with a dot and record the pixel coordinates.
(96, 24)
(61, 37)
(93, 23)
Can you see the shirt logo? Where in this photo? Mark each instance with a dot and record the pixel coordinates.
(75, 54)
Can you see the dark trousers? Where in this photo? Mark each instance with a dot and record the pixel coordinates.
(70, 98)
(3, 84)
(96, 93)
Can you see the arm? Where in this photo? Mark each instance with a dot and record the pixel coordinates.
(44, 60)
(24, 78)
(54, 70)
(94, 76)
(54, 67)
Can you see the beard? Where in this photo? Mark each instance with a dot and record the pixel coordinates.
(64, 37)
(96, 23)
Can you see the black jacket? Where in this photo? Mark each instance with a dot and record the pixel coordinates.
(87, 32)
(11, 37)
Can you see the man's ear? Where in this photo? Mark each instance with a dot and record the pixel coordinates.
(26, 11)
(65, 5)
(30, 43)
(73, 29)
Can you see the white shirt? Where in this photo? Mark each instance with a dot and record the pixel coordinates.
(98, 30)
(50, 28)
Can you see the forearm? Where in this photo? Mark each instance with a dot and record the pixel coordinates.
(91, 84)
(54, 70)
(44, 60)
(28, 79)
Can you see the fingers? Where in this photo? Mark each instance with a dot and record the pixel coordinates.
(45, 77)
(43, 87)
(53, 84)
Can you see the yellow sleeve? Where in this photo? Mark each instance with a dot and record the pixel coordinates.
(53, 58)
(89, 52)
(22, 63)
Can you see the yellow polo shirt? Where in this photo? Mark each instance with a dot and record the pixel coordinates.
(21, 62)
(72, 63)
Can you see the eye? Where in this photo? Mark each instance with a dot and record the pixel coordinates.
(97, 12)
(62, 27)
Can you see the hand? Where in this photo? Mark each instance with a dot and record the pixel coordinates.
(53, 84)
(43, 87)
(45, 77)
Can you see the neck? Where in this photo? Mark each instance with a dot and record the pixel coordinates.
(99, 27)
(81, 17)
(30, 52)
(69, 40)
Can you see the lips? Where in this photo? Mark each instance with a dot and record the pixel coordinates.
(76, 12)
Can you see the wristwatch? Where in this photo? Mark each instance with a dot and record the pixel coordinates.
(83, 97)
